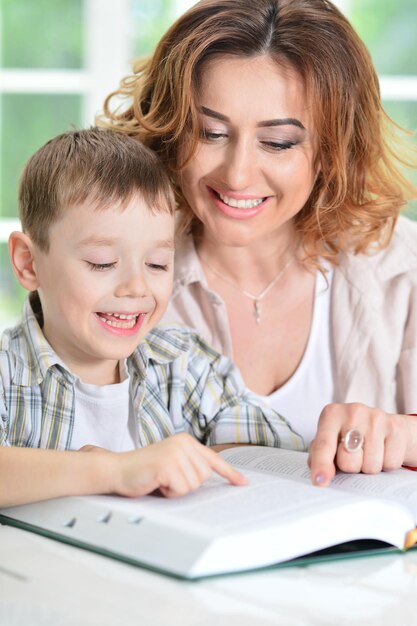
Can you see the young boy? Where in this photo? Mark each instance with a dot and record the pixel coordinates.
(94, 398)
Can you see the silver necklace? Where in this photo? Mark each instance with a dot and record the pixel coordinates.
(256, 299)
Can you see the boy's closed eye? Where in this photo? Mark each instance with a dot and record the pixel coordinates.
(160, 260)
(158, 267)
(101, 267)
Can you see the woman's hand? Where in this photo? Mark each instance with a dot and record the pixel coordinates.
(390, 441)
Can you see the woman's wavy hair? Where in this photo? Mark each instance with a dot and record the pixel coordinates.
(360, 189)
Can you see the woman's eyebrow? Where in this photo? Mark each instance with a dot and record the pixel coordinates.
(215, 114)
(284, 121)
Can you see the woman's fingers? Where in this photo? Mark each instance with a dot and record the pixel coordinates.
(374, 450)
(323, 449)
(350, 462)
(321, 459)
(386, 441)
(395, 450)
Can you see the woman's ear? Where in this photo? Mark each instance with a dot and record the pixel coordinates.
(21, 256)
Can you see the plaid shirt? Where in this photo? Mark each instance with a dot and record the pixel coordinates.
(177, 382)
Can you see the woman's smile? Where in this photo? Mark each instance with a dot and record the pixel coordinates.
(240, 208)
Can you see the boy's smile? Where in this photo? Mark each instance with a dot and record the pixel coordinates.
(104, 283)
(121, 323)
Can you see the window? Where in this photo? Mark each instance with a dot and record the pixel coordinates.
(388, 28)
(59, 58)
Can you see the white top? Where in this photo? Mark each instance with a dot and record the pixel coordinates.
(373, 320)
(312, 383)
(103, 415)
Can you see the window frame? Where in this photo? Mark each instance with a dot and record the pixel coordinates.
(104, 65)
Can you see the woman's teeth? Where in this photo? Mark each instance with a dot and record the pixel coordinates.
(241, 204)
(120, 320)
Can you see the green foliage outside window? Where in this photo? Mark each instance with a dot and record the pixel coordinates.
(389, 29)
(150, 19)
(28, 121)
(42, 34)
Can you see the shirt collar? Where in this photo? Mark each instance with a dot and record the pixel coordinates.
(188, 268)
(35, 355)
(162, 345)
(399, 257)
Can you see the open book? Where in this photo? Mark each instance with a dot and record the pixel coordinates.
(220, 529)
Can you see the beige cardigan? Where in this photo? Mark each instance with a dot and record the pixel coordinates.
(373, 317)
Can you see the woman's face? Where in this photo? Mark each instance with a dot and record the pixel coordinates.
(254, 166)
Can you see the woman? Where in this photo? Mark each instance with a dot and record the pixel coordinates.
(293, 261)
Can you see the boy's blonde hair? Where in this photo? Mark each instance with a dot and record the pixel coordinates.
(103, 166)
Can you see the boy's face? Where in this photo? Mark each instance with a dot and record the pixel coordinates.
(104, 283)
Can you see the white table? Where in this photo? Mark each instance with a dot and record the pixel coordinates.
(46, 583)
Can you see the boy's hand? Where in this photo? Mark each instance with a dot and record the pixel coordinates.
(175, 466)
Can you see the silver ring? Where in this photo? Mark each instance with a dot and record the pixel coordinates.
(353, 440)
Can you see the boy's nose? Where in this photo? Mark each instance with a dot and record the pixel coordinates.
(133, 286)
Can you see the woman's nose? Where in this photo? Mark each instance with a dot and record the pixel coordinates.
(239, 166)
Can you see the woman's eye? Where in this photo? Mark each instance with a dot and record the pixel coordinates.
(211, 135)
(277, 146)
(101, 267)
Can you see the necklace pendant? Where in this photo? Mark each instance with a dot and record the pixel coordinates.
(257, 311)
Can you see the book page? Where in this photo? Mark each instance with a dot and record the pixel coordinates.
(274, 518)
(398, 485)
(222, 507)
(279, 492)
(224, 528)
(221, 527)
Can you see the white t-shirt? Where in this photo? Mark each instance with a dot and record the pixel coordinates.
(104, 416)
(312, 383)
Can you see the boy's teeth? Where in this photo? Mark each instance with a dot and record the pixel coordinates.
(241, 204)
(122, 316)
(121, 320)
